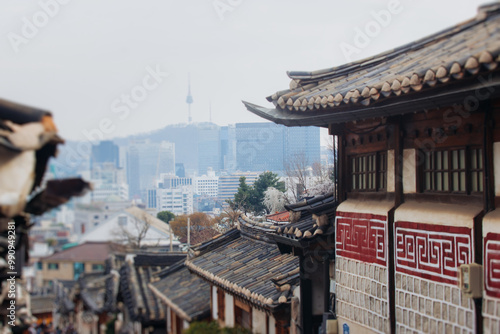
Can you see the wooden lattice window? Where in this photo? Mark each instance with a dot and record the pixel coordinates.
(368, 172)
(457, 170)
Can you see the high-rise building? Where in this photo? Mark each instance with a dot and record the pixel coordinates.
(105, 152)
(228, 184)
(228, 148)
(259, 147)
(303, 142)
(179, 201)
(268, 146)
(207, 184)
(208, 147)
(145, 162)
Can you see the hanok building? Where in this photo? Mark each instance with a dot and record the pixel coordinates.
(142, 311)
(309, 235)
(96, 295)
(418, 134)
(186, 297)
(251, 283)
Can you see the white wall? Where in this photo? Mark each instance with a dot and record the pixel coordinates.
(214, 303)
(229, 314)
(272, 325)
(409, 171)
(496, 167)
(258, 321)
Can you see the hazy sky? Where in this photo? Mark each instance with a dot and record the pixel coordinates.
(90, 62)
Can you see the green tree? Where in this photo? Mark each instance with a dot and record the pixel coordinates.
(165, 216)
(265, 180)
(251, 198)
(241, 200)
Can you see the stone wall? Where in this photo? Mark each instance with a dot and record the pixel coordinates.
(362, 295)
(491, 315)
(491, 301)
(431, 307)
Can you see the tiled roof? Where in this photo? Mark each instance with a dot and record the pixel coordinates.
(184, 292)
(93, 290)
(246, 267)
(142, 304)
(454, 55)
(63, 302)
(310, 218)
(42, 304)
(215, 242)
(89, 251)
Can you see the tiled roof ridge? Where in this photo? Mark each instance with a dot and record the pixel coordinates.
(297, 206)
(309, 90)
(333, 72)
(258, 231)
(213, 243)
(171, 304)
(253, 297)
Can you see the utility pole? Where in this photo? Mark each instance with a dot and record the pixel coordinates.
(189, 232)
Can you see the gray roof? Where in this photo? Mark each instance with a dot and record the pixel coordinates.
(186, 293)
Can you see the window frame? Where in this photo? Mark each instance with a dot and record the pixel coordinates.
(468, 171)
(378, 172)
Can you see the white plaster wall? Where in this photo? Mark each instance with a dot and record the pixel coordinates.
(390, 171)
(229, 306)
(369, 207)
(185, 324)
(258, 321)
(169, 319)
(214, 303)
(409, 171)
(496, 167)
(438, 213)
(491, 222)
(272, 325)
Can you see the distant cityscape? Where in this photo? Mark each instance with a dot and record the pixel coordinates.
(188, 167)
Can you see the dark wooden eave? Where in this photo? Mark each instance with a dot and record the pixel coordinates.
(437, 98)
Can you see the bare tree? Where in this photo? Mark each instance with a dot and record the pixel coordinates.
(302, 179)
(133, 237)
(297, 176)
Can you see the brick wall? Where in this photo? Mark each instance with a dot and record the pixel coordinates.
(362, 295)
(431, 307)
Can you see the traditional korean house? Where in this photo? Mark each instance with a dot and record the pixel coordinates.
(143, 312)
(42, 307)
(418, 135)
(310, 236)
(251, 283)
(96, 295)
(64, 306)
(186, 297)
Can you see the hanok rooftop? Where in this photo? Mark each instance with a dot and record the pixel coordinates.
(417, 134)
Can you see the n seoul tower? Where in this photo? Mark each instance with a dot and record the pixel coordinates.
(189, 99)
